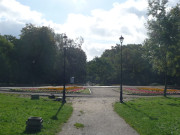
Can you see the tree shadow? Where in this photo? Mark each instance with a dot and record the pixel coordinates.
(174, 104)
(145, 114)
(55, 116)
(172, 98)
(31, 132)
(177, 104)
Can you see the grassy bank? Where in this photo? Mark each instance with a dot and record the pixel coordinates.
(16, 109)
(152, 116)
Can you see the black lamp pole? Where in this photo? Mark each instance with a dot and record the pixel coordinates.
(121, 91)
(64, 84)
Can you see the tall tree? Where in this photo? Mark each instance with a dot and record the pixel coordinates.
(99, 71)
(38, 52)
(161, 38)
(76, 64)
(174, 32)
(6, 49)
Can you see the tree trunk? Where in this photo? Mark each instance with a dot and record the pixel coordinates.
(165, 83)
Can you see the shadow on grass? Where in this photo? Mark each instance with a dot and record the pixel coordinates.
(31, 132)
(172, 98)
(55, 116)
(145, 114)
(175, 100)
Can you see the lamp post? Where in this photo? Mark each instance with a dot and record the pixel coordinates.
(64, 84)
(121, 91)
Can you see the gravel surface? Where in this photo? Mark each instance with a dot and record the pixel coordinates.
(97, 115)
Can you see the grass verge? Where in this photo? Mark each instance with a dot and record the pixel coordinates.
(152, 116)
(16, 109)
(84, 91)
(79, 125)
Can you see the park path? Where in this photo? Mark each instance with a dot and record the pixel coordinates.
(97, 115)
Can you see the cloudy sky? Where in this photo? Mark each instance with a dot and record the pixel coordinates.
(99, 22)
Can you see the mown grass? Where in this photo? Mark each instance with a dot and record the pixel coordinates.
(79, 125)
(84, 91)
(152, 116)
(16, 109)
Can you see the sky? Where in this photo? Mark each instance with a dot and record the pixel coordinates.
(99, 22)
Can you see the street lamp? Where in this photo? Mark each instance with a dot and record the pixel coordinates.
(121, 98)
(64, 84)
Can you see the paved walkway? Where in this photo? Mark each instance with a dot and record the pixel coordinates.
(97, 115)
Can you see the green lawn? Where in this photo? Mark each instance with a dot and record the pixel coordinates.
(16, 109)
(152, 116)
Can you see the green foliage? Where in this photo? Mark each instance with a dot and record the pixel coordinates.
(152, 116)
(99, 71)
(136, 69)
(37, 57)
(163, 41)
(6, 49)
(79, 125)
(76, 64)
(16, 109)
(174, 48)
(38, 53)
(162, 46)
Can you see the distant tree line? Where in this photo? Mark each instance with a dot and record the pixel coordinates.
(37, 57)
(135, 68)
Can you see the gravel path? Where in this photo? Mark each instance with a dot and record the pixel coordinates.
(97, 115)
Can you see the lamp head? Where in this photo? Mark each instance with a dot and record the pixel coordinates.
(64, 37)
(121, 39)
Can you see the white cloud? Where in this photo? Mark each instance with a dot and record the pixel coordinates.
(14, 11)
(101, 29)
(14, 16)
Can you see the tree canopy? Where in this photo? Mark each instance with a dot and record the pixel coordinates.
(162, 45)
(136, 69)
(37, 57)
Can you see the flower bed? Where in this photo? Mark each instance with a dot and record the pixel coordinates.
(73, 89)
(150, 91)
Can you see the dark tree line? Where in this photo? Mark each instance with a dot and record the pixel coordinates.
(37, 57)
(135, 68)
